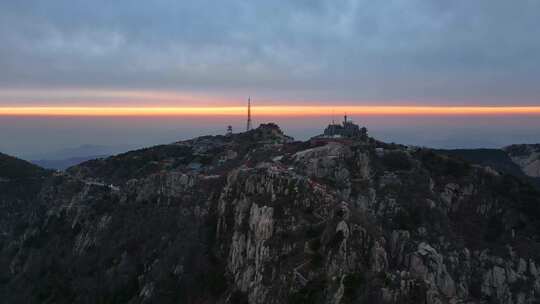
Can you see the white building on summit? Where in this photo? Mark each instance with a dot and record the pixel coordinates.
(347, 129)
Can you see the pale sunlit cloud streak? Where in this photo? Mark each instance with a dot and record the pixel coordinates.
(282, 110)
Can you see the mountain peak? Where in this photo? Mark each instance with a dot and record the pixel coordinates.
(270, 132)
(257, 218)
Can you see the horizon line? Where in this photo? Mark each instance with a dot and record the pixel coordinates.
(272, 110)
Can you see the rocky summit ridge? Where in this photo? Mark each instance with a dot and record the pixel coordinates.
(256, 217)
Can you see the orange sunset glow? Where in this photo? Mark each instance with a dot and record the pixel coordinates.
(270, 110)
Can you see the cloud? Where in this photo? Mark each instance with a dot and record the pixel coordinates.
(478, 52)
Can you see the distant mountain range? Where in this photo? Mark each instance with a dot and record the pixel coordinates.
(65, 158)
(62, 164)
(81, 151)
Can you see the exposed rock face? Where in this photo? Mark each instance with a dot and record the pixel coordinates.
(255, 218)
(527, 157)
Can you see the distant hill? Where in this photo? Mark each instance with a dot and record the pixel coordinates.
(503, 160)
(68, 157)
(82, 151)
(62, 164)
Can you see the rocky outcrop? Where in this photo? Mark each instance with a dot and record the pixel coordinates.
(527, 157)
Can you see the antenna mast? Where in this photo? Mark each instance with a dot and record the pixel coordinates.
(248, 126)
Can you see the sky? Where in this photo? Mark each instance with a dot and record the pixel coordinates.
(466, 71)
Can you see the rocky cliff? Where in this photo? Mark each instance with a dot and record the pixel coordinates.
(257, 218)
(527, 157)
